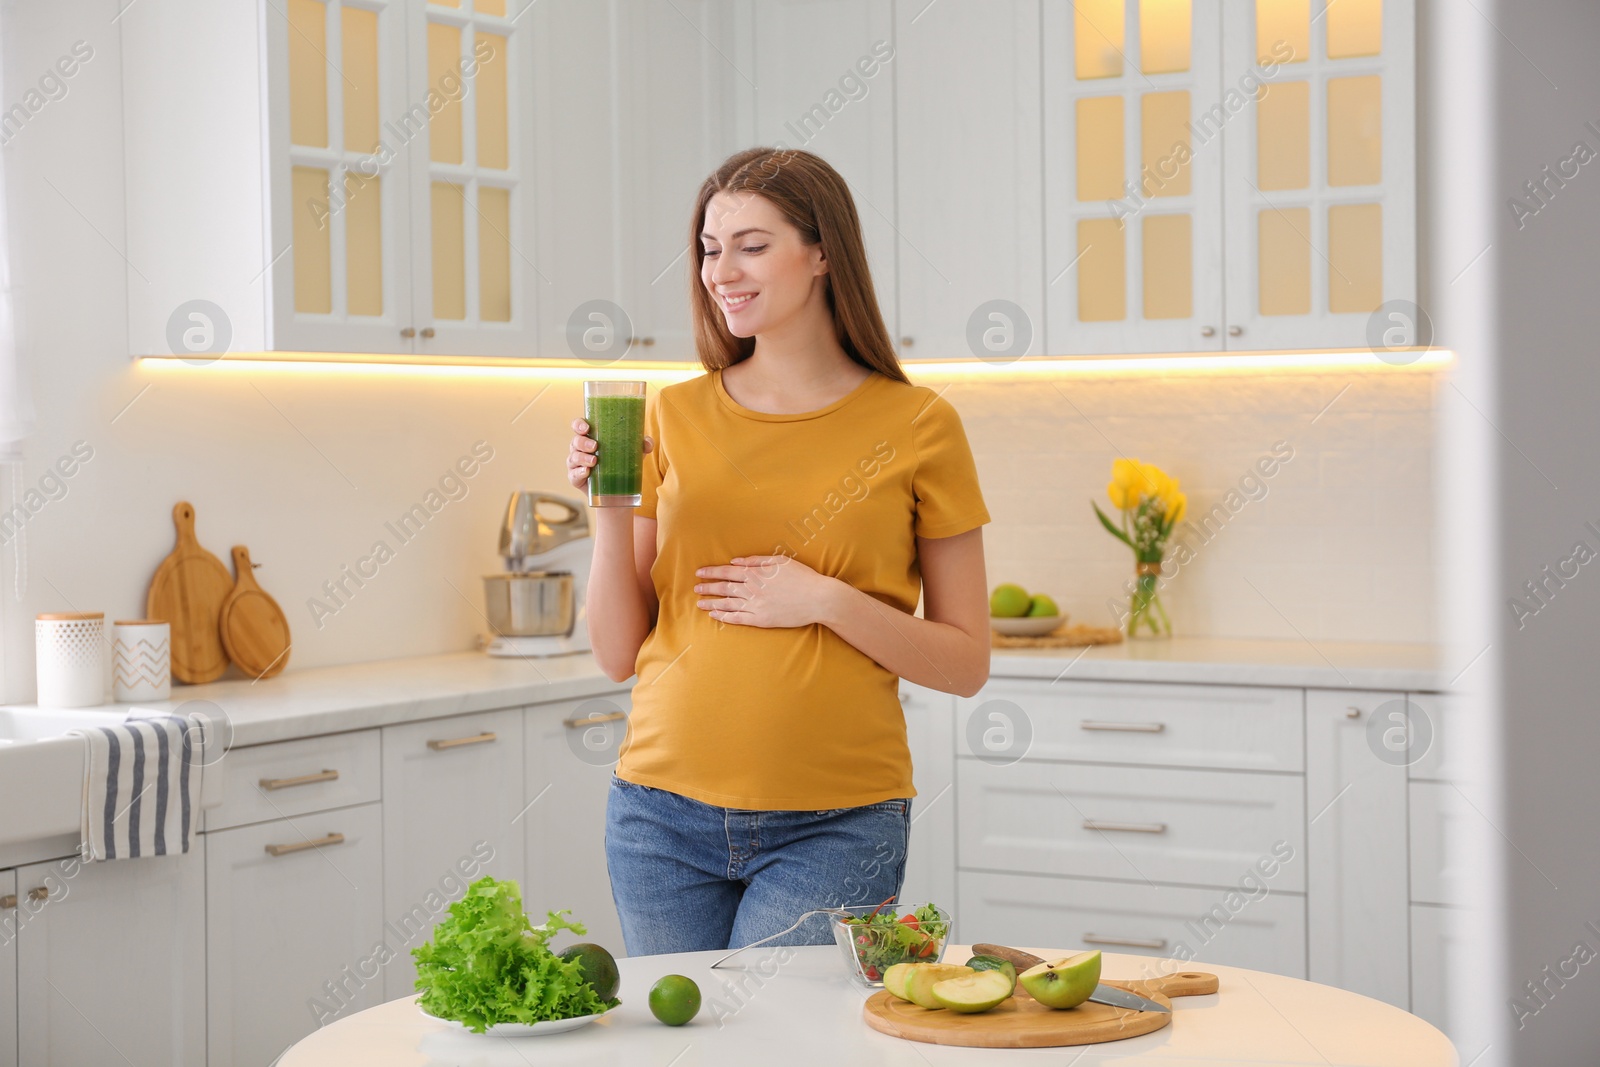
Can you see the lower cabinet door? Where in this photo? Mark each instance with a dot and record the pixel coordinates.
(8, 969)
(451, 790)
(1264, 929)
(571, 749)
(1439, 969)
(294, 911)
(930, 731)
(111, 962)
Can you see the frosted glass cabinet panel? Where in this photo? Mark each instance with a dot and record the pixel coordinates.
(1320, 173)
(1133, 164)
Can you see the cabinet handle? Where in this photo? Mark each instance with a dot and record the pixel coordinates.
(39, 894)
(1235, 331)
(409, 332)
(1130, 942)
(1126, 827)
(304, 779)
(427, 331)
(8, 902)
(1124, 727)
(301, 846)
(1208, 331)
(647, 341)
(594, 720)
(458, 742)
(1352, 712)
(907, 342)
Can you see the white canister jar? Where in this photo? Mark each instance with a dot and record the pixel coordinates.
(70, 658)
(141, 660)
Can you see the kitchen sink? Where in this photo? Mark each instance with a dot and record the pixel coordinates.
(41, 779)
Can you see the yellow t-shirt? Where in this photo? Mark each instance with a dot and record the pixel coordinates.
(793, 718)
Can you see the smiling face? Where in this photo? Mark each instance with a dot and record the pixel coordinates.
(758, 270)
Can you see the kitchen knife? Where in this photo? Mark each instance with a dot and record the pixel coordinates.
(1103, 994)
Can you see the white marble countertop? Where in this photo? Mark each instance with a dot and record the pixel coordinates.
(1234, 661)
(358, 696)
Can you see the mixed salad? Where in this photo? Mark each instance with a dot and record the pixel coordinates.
(882, 938)
(487, 964)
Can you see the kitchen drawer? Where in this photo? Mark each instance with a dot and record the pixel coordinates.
(1229, 727)
(1267, 933)
(1441, 821)
(311, 774)
(1139, 824)
(1444, 759)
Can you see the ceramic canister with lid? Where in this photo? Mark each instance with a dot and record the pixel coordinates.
(70, 657)
(141, 660)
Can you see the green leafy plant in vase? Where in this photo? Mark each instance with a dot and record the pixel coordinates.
(1151, 506)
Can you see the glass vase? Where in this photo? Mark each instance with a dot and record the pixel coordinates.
(1147, 616)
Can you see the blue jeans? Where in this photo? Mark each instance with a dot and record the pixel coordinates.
(688, 876)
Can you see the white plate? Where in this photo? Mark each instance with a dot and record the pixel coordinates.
(1027, 625)
(549, 1026)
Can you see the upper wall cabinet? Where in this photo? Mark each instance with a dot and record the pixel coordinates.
(322, 175)
(969, 219)
(637, 102)
(1295, 114)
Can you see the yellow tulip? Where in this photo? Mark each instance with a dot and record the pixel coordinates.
(1127, 483)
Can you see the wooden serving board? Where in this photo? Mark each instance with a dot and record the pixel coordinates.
(1022, 1022)
(253, 627)
(187, 591)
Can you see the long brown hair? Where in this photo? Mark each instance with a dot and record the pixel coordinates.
(817, 202)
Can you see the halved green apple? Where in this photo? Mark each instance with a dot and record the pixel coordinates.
(1063, 983)
(920, 982)
(894, 979)
(974, 992)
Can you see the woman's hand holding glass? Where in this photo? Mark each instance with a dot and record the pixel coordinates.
(581, 454)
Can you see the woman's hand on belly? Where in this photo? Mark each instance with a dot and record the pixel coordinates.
(769, 591)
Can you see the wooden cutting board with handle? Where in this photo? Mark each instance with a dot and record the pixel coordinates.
(188, 591)
(253, 627)
(1022, 1022)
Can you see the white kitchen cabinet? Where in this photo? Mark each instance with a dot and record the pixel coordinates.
(451, 790)
(821, 76)
(1320, 174)
(1132, 182)
(1440, 938)
(1356, 890)
(1442, 819)
(571, 749)
(969, 178)
(1245, 728)
(10, 920)
(638, 102)
(328, 177)
(111, 962)
(1137, 824)
(1261, 929)
(295, 933)
(931, 861)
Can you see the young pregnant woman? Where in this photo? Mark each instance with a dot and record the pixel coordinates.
(797, 497)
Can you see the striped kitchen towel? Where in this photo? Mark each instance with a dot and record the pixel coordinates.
(141, 785)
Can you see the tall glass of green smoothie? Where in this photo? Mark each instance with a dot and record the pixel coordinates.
(615, 414)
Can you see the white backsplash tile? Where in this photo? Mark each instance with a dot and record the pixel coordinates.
(1335, 546)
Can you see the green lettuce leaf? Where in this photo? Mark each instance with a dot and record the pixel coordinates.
(486, 964)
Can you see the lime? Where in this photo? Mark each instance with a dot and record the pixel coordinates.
(1008, 601)
(675, 999)
(598, 967)
(1042, 605)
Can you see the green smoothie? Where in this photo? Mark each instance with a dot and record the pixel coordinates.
(617, 425)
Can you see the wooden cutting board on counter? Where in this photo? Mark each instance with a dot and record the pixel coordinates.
(1022, 1022)
(253, 627)
(188, 591)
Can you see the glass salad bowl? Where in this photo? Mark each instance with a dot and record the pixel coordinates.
(875, 939)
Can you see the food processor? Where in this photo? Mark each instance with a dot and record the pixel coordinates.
(535, 608)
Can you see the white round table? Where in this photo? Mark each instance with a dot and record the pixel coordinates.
(807, 1011)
